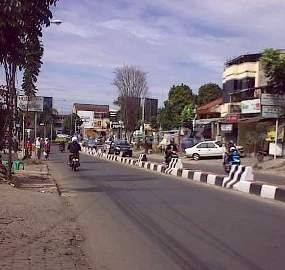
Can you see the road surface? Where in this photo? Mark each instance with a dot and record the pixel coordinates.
(137, 220)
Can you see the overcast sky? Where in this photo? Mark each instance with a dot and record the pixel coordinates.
(174, 41)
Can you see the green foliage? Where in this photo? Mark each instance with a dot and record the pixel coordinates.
(187, 113)
(208, 92)
(179, 96)
(21, 24)
(274, 67)
(32, 65)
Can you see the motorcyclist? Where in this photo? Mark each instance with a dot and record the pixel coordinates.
(74, 148)
(234, 156)
(170, 149)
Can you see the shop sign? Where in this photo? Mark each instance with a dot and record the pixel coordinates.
(31, 104)
(250, 106)
(273, 100)
(272, 111)
(115, 125)
(227, 128)
(232, 118)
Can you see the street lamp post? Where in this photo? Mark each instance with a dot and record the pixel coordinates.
(57, 22)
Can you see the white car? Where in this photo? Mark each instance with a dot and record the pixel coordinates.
(205, 149)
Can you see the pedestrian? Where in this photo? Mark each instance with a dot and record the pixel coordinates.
(29, 148)
(46, 148)
(38, 146)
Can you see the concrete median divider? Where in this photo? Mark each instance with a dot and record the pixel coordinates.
(240, 178)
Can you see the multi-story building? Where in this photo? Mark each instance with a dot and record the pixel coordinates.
(95, 118)
(249, 106)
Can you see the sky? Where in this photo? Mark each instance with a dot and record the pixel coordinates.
(173, 41)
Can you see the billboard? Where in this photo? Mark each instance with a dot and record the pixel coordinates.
(272, 111)
(250, 106)
(273, 100)
(31, 104)
(87, 117)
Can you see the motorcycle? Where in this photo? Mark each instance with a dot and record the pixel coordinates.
(62, 147)
(74, 162)
(230, 161)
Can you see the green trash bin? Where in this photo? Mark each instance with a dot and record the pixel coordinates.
(17, 164)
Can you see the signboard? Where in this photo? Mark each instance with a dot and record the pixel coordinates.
(232, 118)
(32, 104)
(251, 106)
(87, 118)
(272, 111)
(273, 100)
(227, 128)
(115, 125)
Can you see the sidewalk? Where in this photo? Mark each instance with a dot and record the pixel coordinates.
(38, 230)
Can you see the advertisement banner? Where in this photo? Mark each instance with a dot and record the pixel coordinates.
(251, 106)
(272, 111)
(273, 100)
(31, 104)
(227, 128)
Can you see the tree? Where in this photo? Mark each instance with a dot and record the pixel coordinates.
(178, 97)
(273, 62)
(208, 92)
(131, 84)
(70, 122)
(21, 24)
(187, 116)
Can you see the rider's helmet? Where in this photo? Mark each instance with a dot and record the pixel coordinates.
(74, 139)
(232, 149)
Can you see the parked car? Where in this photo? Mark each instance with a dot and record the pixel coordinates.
(120, 147)
(205, 149)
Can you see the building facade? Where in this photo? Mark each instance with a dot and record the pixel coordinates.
(250, 106)
(96, 121)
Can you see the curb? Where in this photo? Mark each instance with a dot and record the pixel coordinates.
(255, 188)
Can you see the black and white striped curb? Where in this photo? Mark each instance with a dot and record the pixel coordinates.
(240, 177)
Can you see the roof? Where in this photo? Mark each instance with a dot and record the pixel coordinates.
(208, 108)
(91, 107)
(243, 59)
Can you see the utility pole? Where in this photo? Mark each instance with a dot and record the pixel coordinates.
(276, 138)
(23, 136)
(51, 131)
(143, 117)
(36, 120)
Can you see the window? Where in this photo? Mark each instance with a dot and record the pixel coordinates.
(202, 145)
(211, 145)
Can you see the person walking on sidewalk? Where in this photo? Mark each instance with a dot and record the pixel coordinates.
(38, 145)
(46, 148)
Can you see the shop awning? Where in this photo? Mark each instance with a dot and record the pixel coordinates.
(208, 121)
(252, 119)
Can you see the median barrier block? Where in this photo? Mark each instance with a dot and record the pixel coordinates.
(268, 191)
(280, 194)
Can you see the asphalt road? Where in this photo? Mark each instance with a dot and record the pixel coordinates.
(215, 166)
(136, 220)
